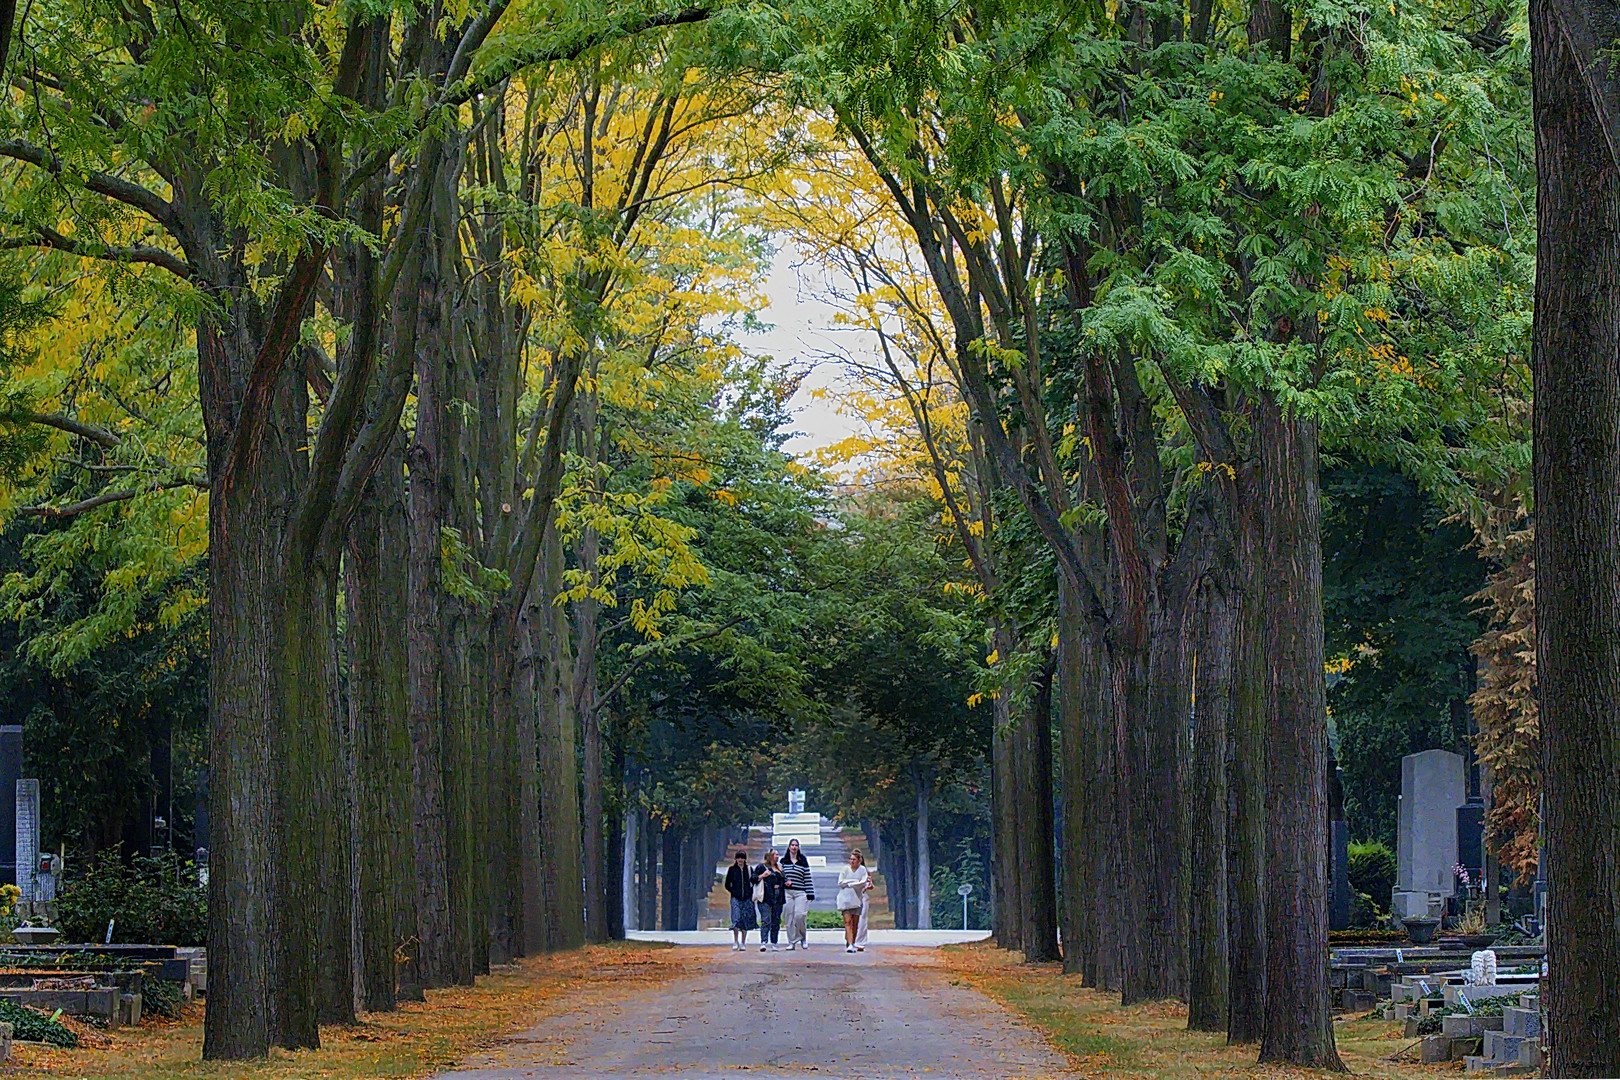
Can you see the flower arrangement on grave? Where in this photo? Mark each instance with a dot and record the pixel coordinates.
(1472, 920)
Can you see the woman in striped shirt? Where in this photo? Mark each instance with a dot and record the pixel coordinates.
(800, 891)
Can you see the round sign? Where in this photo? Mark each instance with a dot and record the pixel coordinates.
(964, 889)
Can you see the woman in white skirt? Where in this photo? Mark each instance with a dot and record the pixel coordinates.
(866, 904)
(853, 883)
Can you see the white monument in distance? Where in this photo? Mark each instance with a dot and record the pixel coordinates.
(795, 824)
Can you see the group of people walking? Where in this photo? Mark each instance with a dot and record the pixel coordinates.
(779, 890)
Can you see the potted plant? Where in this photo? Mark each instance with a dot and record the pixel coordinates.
(1471, 926)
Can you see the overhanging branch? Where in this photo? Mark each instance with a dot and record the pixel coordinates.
(106, 498)
(133, 253)
(96, 434)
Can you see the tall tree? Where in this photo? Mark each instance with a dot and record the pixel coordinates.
(1575, 357)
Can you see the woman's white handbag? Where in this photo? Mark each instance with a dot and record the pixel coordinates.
(847, 900)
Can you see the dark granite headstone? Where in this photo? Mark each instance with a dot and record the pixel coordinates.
(11, 767)
(1471, 838)
(1339, 886)
(1338, 851)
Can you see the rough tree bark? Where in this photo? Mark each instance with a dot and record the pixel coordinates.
(1207, 967)
(1037, 860)
(1246, 794)
(375, 576)
(924, 786)
(1575, 355)
(424, 460)
(1298, 1018)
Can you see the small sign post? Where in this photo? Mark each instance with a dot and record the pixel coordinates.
(964, 890)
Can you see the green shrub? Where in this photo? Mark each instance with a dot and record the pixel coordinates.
(153, 901)
(823, 920)
(1372, 870)
(968, 869)
(160, 997)
(31, 1026)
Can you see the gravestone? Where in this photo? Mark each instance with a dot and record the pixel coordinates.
(1339, 892)
(1471, 838)
(27, 836)
(11, 762)
(1433, 785)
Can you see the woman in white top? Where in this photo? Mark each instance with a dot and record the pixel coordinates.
(853, 883)
(866, 904)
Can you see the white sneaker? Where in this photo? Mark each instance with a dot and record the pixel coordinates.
(849, 948)
(776, 948)
(736, 947)
(792, 945)
(762, 948)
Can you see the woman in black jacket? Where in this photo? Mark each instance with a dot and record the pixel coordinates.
(740, 884)
(773, 894)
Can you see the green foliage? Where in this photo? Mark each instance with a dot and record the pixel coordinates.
(161, 997)
(966, 868)
(97, 729)
(33, 1026)
(1372, 871)
(1397, 588)
(824, 920)
(150, 901)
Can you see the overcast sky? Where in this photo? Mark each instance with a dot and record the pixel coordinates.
(802, 326)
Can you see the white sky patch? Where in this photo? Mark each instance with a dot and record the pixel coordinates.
(805, 334)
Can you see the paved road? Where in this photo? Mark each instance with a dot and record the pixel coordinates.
(884, 1014)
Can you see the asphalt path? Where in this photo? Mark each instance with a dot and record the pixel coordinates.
(883, 1014)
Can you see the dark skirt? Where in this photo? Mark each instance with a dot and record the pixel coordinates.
(742, 914)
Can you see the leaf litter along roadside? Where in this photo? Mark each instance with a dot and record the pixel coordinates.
(418, 1040)
(1151, 1042)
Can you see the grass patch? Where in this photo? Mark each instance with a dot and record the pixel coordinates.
(418, 1040)
(1151, 1042)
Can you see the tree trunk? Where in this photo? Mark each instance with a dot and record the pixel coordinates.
(1576, 360)
(525, 710)
(617, 904)
(1037, 868)
(1074, 696)
(923, 784)
(467, 913)
(244, 592)
(630, 861)
(1298, 1019)
(671, 877)
(1246, 793)
(1207, 963)
(1009, 913)
(425, 460)
(375, 577)
(316, 919)
(647, 881)
(559, 765)
(1150, 710)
